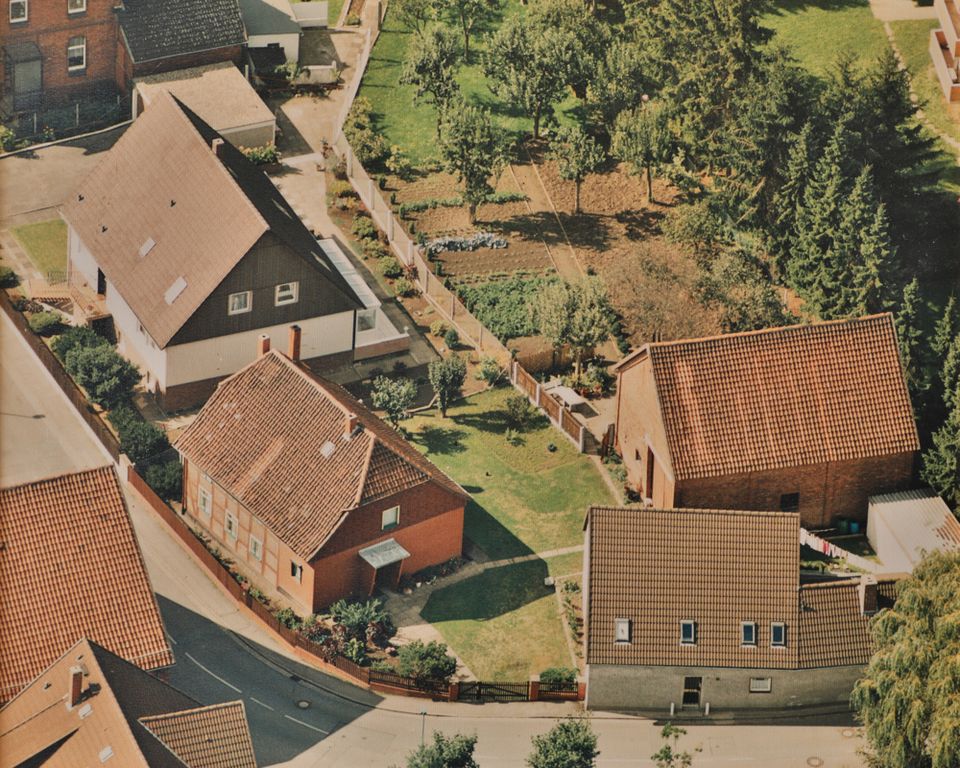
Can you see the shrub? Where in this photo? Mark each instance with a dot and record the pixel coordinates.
(451, 338)
(355, 617)
(288, 618)
(77, 336)
(428, 661)
(489, 370)
(519, 411)
(166, 479)
(374, 249)
(139, 439)
(340, 170)
(340, 189)
(355, 650)
(389, 266)
(368, 144)
(558, 675)
(107, 377)
(45, 323)
(438, 328)
(352, 20)
(398, 163)
(363, 228)
(598, 378)
(264, 155)
(8, 139)
(404, 287)
(8, 278)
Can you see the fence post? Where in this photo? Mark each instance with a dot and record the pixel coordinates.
(453, 306)
(480, 336)
(390, 226)
(78, 114)
(453, 692)
(533, 688)
(373, 195)
(537, 398)
(349, 159)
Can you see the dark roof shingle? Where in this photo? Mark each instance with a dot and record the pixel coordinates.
(159, 29)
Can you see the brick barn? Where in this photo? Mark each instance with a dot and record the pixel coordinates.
(809, 418)
(308, 491)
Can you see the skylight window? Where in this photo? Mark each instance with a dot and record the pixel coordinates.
(147, 246)
(174, 291)
(327, 449)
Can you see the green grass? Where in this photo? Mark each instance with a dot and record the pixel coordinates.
(565, 565)
(45, 244)
(413, 127)
(504, 623)
(818, 31)
(526, 499)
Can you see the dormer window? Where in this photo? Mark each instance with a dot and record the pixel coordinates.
(778, 634)
(390, 518)
(621, 630)
(688, 633)
(748, 633)
(286, 293)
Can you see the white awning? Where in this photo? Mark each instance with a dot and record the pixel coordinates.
(384, 553)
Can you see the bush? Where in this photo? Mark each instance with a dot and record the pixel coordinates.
(8, 139)
(139, 439)
(77, 336)
(438, 328)
(288, 618)
(558, 675)
(404, 287)
(45, 323)
(374, 249)
(398, 163)
(368, 144)
(352, 20)
(8, 278)
(340, 170)
(355, 650)
(166, 479)
(356, 617)
(389, 266)
(425, 661)
(489, 370)
(519, 411)
(363, 228)
(598, 379)
(264, 155)
(107, 377)
(451, 338)
(340, 189)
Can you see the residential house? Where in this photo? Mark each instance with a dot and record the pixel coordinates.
(56, 52)
(311, 494)
(904, 527)
(810, 418)
(166, 35)
(71, 567)
(945, 48)
(91, 707)
(706, 609)
(194, 253)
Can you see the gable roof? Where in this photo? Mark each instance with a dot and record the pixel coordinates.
(273, 436)
(71, 567)
(803, 394)
(160, 29)
(125, 713)
(162, 183)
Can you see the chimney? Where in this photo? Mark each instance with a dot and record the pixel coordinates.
(217, 146)
(263, 345)
(76, 686)
(868, 594)
(293, 345)
(351, 424)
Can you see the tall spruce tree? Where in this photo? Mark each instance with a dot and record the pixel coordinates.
(950, 373)
(789, 198)
(909, 338)
(948, 326)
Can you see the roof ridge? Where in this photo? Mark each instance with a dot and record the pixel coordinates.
(59, 476)
(698, 510)
(193, 710)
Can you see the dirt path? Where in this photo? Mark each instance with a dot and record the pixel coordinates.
(562, 254)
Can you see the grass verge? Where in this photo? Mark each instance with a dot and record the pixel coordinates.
(45, 243)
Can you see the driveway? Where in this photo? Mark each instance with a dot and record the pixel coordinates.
(34, 182)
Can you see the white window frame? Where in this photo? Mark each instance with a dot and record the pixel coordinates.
(81, 9)
(204, 502)
(256, 547)
(25, 4)
(248, 305)
(73, 46)
(778, 625)
(751, 628)
(296, 571)
(693, 633)
(761, 685)
(393, 513)
(233, 530)
(286, 293)
(622, 631)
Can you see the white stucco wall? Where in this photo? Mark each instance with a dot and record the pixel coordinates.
(80, 262)
(223, 355)
(290, 44)
(134, 343)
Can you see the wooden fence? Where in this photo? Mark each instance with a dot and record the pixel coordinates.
(74, 394)
(555, 410)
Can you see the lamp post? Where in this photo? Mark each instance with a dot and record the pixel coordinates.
(423, 725)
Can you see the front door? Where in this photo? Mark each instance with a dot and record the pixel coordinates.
(27, 84)
(691, 691)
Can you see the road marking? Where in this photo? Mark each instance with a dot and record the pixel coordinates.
(212, 674)
(262, 704)
(171, 639)
(307, 725)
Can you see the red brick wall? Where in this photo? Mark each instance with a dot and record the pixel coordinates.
(826, 491)
(49, 26)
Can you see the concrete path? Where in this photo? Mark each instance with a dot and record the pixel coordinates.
(901, 10)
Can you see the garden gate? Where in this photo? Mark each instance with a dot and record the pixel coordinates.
(480, 691)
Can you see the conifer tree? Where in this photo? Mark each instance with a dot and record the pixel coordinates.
(909, 336)
(948, 326)
(790, 196)
(950, 373)
(874, 273)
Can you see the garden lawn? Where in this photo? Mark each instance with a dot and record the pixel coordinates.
(526, 498)
(413, 127)
(818, 31)
(504, 623)
(45, 244)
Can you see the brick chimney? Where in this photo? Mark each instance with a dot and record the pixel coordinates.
(293, 344)
(351, 424)
(76, 687)
(868, 594)
(263, 345)
(217, 146)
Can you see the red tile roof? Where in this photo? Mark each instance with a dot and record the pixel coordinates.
(263, 438)
(804, 394)
(71, 567)
(216, 736)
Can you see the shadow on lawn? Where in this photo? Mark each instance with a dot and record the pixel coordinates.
(783, 7)
(490, 594)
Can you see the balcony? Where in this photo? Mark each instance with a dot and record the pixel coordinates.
(948, 12)
(945, 64)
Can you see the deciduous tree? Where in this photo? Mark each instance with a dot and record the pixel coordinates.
(446, 377)
(670, 755)
(472, 150)
(571, 743)
(431, 66)
(467, 15)
(445, 752)
(393, 396)
(577, 155)
(413, 14)
(642, 139)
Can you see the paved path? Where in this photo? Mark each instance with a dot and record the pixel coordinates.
(901, 10)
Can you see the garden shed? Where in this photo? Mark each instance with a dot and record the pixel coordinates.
(901, 527)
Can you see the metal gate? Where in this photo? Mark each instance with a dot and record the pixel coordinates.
(481, 691)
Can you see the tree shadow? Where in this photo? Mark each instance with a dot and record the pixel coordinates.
(441, 440)
(586, 230)
(640, 224)
(784, 7)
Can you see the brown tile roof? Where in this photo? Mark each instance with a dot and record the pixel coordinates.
(207, 737)
(71, 567)
(118, 701)
(162, 181)
(718, 568)
(263, 435)
(804, 394)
